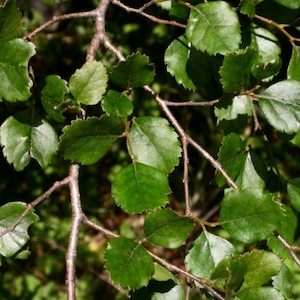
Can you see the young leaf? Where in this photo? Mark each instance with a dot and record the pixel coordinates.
(138, 188)
(135, 71)
(117, 103)
(206, 253)
(214, 27)
(154, 143)
(250, 215)
(161, 273)
(293, 71)
(11, 25)
(89, 83)
(293, 189)
(11, 243)
(25, 135)
(128, 263)
(261, 293)
(15, 82)
(280, 104)
(86, 141)
(165, 228)
(52, 97)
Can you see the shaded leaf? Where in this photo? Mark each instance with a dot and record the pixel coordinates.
(238, 270)
(25, 135)
(135, 71)
(214, 27)
(250, 215)
(52, 97)
(283, 281)
(293, 189)
(261, 293)
(138, 188)
(117, 103)
(15, 82)
(88, 84)
(11, 243)
(154, 142)
(166, 228)
(247, 7)
(280, 104)
(293, 71)
(128, 263)
(86, 141)
(292, 4)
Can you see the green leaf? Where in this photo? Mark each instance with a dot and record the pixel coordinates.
(138, 188)
(238, 270)
(11, 25)
(206, 253)
(86, 141)
(250, 215)
(214, 27)
(283, 281)
(15, 82)
(88, 84)
(25, 135)
(154, 143)
(247, 7)
(236, 73)
(280, 104)
(52, 96)
(261, 293)
(292, 4)
(293, 189)
(166, 228)
(128, 263)
(293, 71)
(117, 103)
(161, 273)
(12, 243)
(135, 71)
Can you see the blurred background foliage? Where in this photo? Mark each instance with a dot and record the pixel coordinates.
(61, 49)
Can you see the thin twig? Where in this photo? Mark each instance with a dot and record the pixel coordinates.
(193, 103)
(186, 175)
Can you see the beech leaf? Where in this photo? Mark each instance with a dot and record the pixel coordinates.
(293, 189)
(293, 71)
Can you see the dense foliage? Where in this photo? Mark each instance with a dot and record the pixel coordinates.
(179, 122)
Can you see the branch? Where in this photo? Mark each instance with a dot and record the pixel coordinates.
(192, 103)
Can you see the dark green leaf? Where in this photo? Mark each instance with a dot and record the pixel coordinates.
(139, 188)
(11, 25)
(293, 189)
(11, 243)
(88, 84)
(280, 104)
(135, 71)
(206, 253)
(292, 4)
(52, 97)
(15, 82)
(154, 143)
(283, 281)
(261, 293)
(25, 135)
(250, 215)
(166, 228)
(293, 71)
(86, 141)
(117, 103)
(128, 263)
(214, 27)
(247, 7)
(238, 270)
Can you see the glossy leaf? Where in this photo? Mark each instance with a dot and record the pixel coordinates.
(206, 253)
(86, 141)
(280, 104)
(293, 189)
(117, 103)
(214, 27)
(250, 215)
(26, 135)
(52, 97)
(138, 188)
(153, 142)
(128, 263)
(293, 71)
(261, 293)
(12, 243)
(166, 228)
(15, 82)
(11, 25)
(135, 71)
(88, 84)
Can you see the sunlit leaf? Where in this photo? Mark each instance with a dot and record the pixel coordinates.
(250, 215)
(26, 135)
(153, 142)
(88, 84)
(128, 263)
(166, 228)
(261, 293)
(15, 82)
(161, 273)
(86, 141)
(12, 243)
(214, 27)
(247, 7)
(139, 188)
